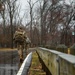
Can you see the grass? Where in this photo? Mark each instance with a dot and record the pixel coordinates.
(36, 67)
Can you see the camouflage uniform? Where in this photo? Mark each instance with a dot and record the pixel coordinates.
(21, 41)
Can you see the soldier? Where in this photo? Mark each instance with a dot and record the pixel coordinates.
(20, 38)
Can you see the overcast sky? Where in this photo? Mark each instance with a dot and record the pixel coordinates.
(25, 5)
(25, 9)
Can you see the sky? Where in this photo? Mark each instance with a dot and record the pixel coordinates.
(25, 7)
(24, 3)
(25, 10)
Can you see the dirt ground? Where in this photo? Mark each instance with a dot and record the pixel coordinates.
(36, 67)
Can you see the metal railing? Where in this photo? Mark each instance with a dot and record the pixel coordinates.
(26, 65)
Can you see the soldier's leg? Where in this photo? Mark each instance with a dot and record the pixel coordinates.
(26, 49)
(22, 50)
(21, 54)
(18, 46)
(19, 50)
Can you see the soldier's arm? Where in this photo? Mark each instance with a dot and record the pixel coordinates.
(25, 35)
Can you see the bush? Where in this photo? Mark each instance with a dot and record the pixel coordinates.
(50, 47)
(62, 48)
(72, 49)
(47, 46)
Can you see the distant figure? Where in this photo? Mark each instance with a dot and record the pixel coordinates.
(20, 39)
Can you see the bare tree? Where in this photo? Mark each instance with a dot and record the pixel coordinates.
(68, 17)
(31, 5)
(51, 15)
(3, 17)
(11, 6)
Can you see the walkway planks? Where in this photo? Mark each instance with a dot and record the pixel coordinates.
(36, 67)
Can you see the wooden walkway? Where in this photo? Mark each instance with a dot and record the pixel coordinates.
(36, 67)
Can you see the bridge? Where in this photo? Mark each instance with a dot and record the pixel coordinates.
(52, 61)
(56, 63)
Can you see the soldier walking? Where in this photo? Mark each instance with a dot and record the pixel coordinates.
(20, 39)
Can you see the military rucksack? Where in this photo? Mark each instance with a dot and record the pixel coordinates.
(19, 37)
